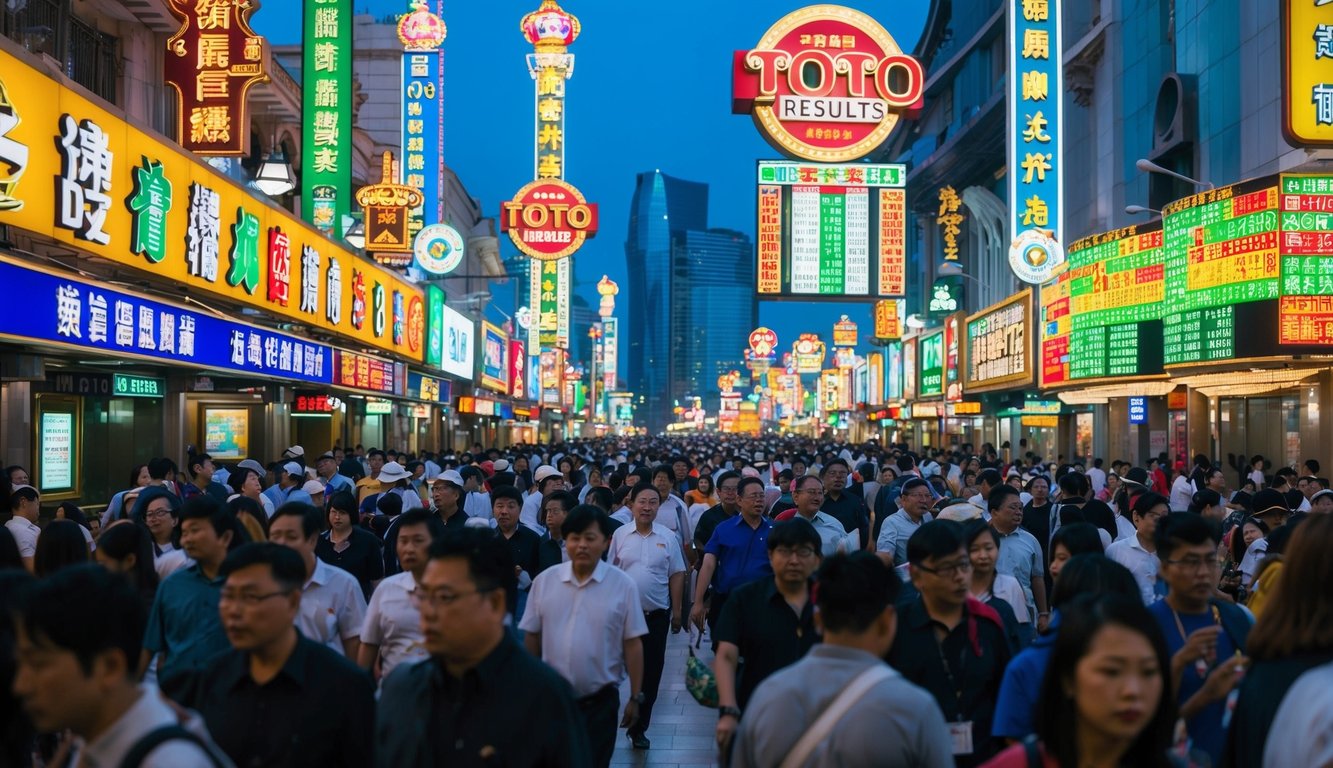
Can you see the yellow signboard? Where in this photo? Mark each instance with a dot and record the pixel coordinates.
(1307, 72)
(80, 174)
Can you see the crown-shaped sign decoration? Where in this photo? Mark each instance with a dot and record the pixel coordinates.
(550, 28)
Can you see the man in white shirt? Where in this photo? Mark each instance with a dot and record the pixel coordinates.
(1182, 493)
(476, 500)
(585, 619)
(545, 480)
(91, 690)
(25, 505)
(913, 509)
(1097, 476)
(1138, 553)
(987, 481)
(834, 538)
(333, 607)
(650, 554)
(392, 628)
(1020, 553)
(673, 515)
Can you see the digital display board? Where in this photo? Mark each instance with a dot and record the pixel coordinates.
(1222, 246)
(831, 231)
(999, 345)
(1099, 318)
(931, 348)
(1306, 249)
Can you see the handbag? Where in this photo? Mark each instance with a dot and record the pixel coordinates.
(699, 678)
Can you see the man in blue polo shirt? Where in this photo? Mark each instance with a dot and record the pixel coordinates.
(736, 553)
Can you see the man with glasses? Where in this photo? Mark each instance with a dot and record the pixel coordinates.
(277, 698)
(914, 503)
(1204, 636)
(1020, 553)
(848, 508)
(770, 623)
(735, 553)
(727, 508)
(466, 698)
(809, 498)
(950, 644)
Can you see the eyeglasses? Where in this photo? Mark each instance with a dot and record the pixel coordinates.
(156, 513)
(797, 551)
(1195, 564)
(949, 571)
(247, 599)
(812, 491)
(421, 598)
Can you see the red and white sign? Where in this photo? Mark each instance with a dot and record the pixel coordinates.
(518, 369)
(548, 219)
(826, 83)
(211, 61)
(763, 342)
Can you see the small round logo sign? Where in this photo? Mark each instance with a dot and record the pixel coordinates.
(763, 342)
(438, 248)
(548, 219)
(826, 83)
(1035, 256)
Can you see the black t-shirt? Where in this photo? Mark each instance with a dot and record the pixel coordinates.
(709, 521)
(768, 633)
(524, 545)
(362, 558)
(850, 510)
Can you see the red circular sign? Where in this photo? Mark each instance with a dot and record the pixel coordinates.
(548, 219)
(826, 83)
(763, 341)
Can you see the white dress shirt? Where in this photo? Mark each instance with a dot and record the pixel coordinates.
(1140, 562)
(333, 607)
(833, 534)
(532, 507)
(25, 535)
(650, 560)
(147, 714)
(584, 626)
(394, 623)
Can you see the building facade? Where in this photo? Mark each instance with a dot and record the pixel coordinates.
(713, 309)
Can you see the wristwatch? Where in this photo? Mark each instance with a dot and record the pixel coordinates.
(724, 711)
(638, 698)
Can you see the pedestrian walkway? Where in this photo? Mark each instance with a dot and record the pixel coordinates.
(682, 731)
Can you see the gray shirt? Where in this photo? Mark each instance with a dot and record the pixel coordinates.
(1020, 557)
(893, 724)
(895, 532)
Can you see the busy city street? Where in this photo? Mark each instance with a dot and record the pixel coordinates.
(920, 384)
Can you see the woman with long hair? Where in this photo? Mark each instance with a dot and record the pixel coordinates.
(61, 544)
(116, 510)
(992, 587)
(250, 516)
(703, 492)
(1208, 503)
(156, 510)
(1293, 634)
(1105, 699)
(1250, 530)
(127, 549)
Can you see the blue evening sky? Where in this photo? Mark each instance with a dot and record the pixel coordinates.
(651, 90)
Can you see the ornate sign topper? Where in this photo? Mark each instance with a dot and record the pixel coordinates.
(212, 61)
(763, 342)
(548, 219)
(385, 206)
(1035, 257)
(825, 83)
(439, 249)
(421, 30)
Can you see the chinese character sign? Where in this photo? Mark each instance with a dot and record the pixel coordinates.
(950, 220)
(326, 144)
(212, 61)
(998, 347)
(1036, 90)
(422, 133)
(1307, 72)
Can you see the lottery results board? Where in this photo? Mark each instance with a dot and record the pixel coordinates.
(1099, 318)
(831, 231)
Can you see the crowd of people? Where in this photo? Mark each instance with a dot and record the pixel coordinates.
(866, 605)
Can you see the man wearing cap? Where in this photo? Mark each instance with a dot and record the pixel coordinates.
(1270, 506)
(326, 466)
(288, 488)
(296, 453)
(545, 480)
(445, 494)
(1322, 501)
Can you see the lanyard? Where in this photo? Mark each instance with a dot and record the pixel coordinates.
(948, 672)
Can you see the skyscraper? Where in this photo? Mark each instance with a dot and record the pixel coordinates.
(713, 309)
(691, 297)
(661, 205)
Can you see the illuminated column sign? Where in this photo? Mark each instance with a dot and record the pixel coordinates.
(422, 33)
(326, 144)
(1036, 123)
(212, 61)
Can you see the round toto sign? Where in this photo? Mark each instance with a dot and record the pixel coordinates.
(1035, 256)
(826, 84)
(438, 248)
(548, 219)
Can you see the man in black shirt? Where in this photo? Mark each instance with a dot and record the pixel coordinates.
(951, 645)
(727, 483)
(848, 508)
(770, 623)
(480, 700)
(506, 503)
(446, 495)
(278, 699)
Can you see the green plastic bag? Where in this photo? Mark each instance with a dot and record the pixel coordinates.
(699, 678)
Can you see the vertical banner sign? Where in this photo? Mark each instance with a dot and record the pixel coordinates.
(769, 247)
(434, 326)
(610, 352)
(326, 143)
(950, 220)
(1307, 72)
(422, 33)
(1036, 124)
(212, 61)
(518, 369)
(888, 319)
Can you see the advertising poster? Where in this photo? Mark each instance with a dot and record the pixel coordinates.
(227, 432)
(57, 451)
(494, 358)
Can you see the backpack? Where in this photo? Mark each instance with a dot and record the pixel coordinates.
(159, 736)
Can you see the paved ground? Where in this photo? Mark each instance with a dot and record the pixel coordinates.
(682, 730)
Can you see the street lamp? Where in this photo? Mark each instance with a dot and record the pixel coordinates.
(275, 177)
(356, 235)
(1134, 210)
(1148, 166)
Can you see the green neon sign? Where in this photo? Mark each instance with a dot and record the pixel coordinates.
(326, 146)
(129, 385)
